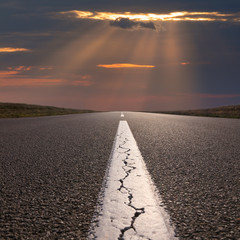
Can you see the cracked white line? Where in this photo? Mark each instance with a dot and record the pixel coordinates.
(122, 115)
(130, 206)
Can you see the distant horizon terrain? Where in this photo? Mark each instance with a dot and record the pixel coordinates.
(232, 111)
(17, 110)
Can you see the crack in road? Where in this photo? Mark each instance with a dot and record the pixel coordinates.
(130, 207)
(127, 168)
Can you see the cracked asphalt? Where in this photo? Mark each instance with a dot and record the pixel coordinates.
(128, 167)
(52, 168)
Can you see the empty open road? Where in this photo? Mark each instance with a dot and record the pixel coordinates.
(52, 170)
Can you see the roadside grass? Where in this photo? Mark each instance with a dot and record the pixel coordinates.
(17, 110)
(223, 112)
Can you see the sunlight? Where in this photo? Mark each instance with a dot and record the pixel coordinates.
(172, 16)
(78, 52)
(129, 58)
(133, 85)
(178, 76)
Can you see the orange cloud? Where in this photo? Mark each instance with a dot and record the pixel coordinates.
(23, 68)
(13, 71)
(28, 68)
(185, 63)
(46, 68)
(9, 79)
(124, 65)
(172, 16)
(10, 50)
(7, 73)
(20, 82)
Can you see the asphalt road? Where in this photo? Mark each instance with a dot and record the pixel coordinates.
(51, 171)
(52, 168)
(195, 164)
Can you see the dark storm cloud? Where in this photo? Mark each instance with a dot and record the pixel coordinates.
(126, 23)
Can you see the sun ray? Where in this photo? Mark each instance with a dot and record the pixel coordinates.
(143, 51)
(78, 52)
(134, 49)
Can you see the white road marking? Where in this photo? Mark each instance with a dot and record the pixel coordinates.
(130, 207)
(122, 115)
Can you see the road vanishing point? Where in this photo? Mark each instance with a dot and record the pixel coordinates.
(120, 175)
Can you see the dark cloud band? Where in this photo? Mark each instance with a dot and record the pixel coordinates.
(126, 23)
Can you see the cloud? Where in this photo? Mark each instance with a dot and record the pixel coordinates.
(123, 23)
(21, 68)
(10, 50)
(7, 73)
(45, 68)
(124, 65)
(16, 77)
(147, 25)
(29, 68)
(126, 23)
(116, 18)
(21, 82)
(12, 78)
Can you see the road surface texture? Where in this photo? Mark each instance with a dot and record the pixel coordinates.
(52, 169)
(195, 164)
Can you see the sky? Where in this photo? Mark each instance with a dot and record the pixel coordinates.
(136, 55)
